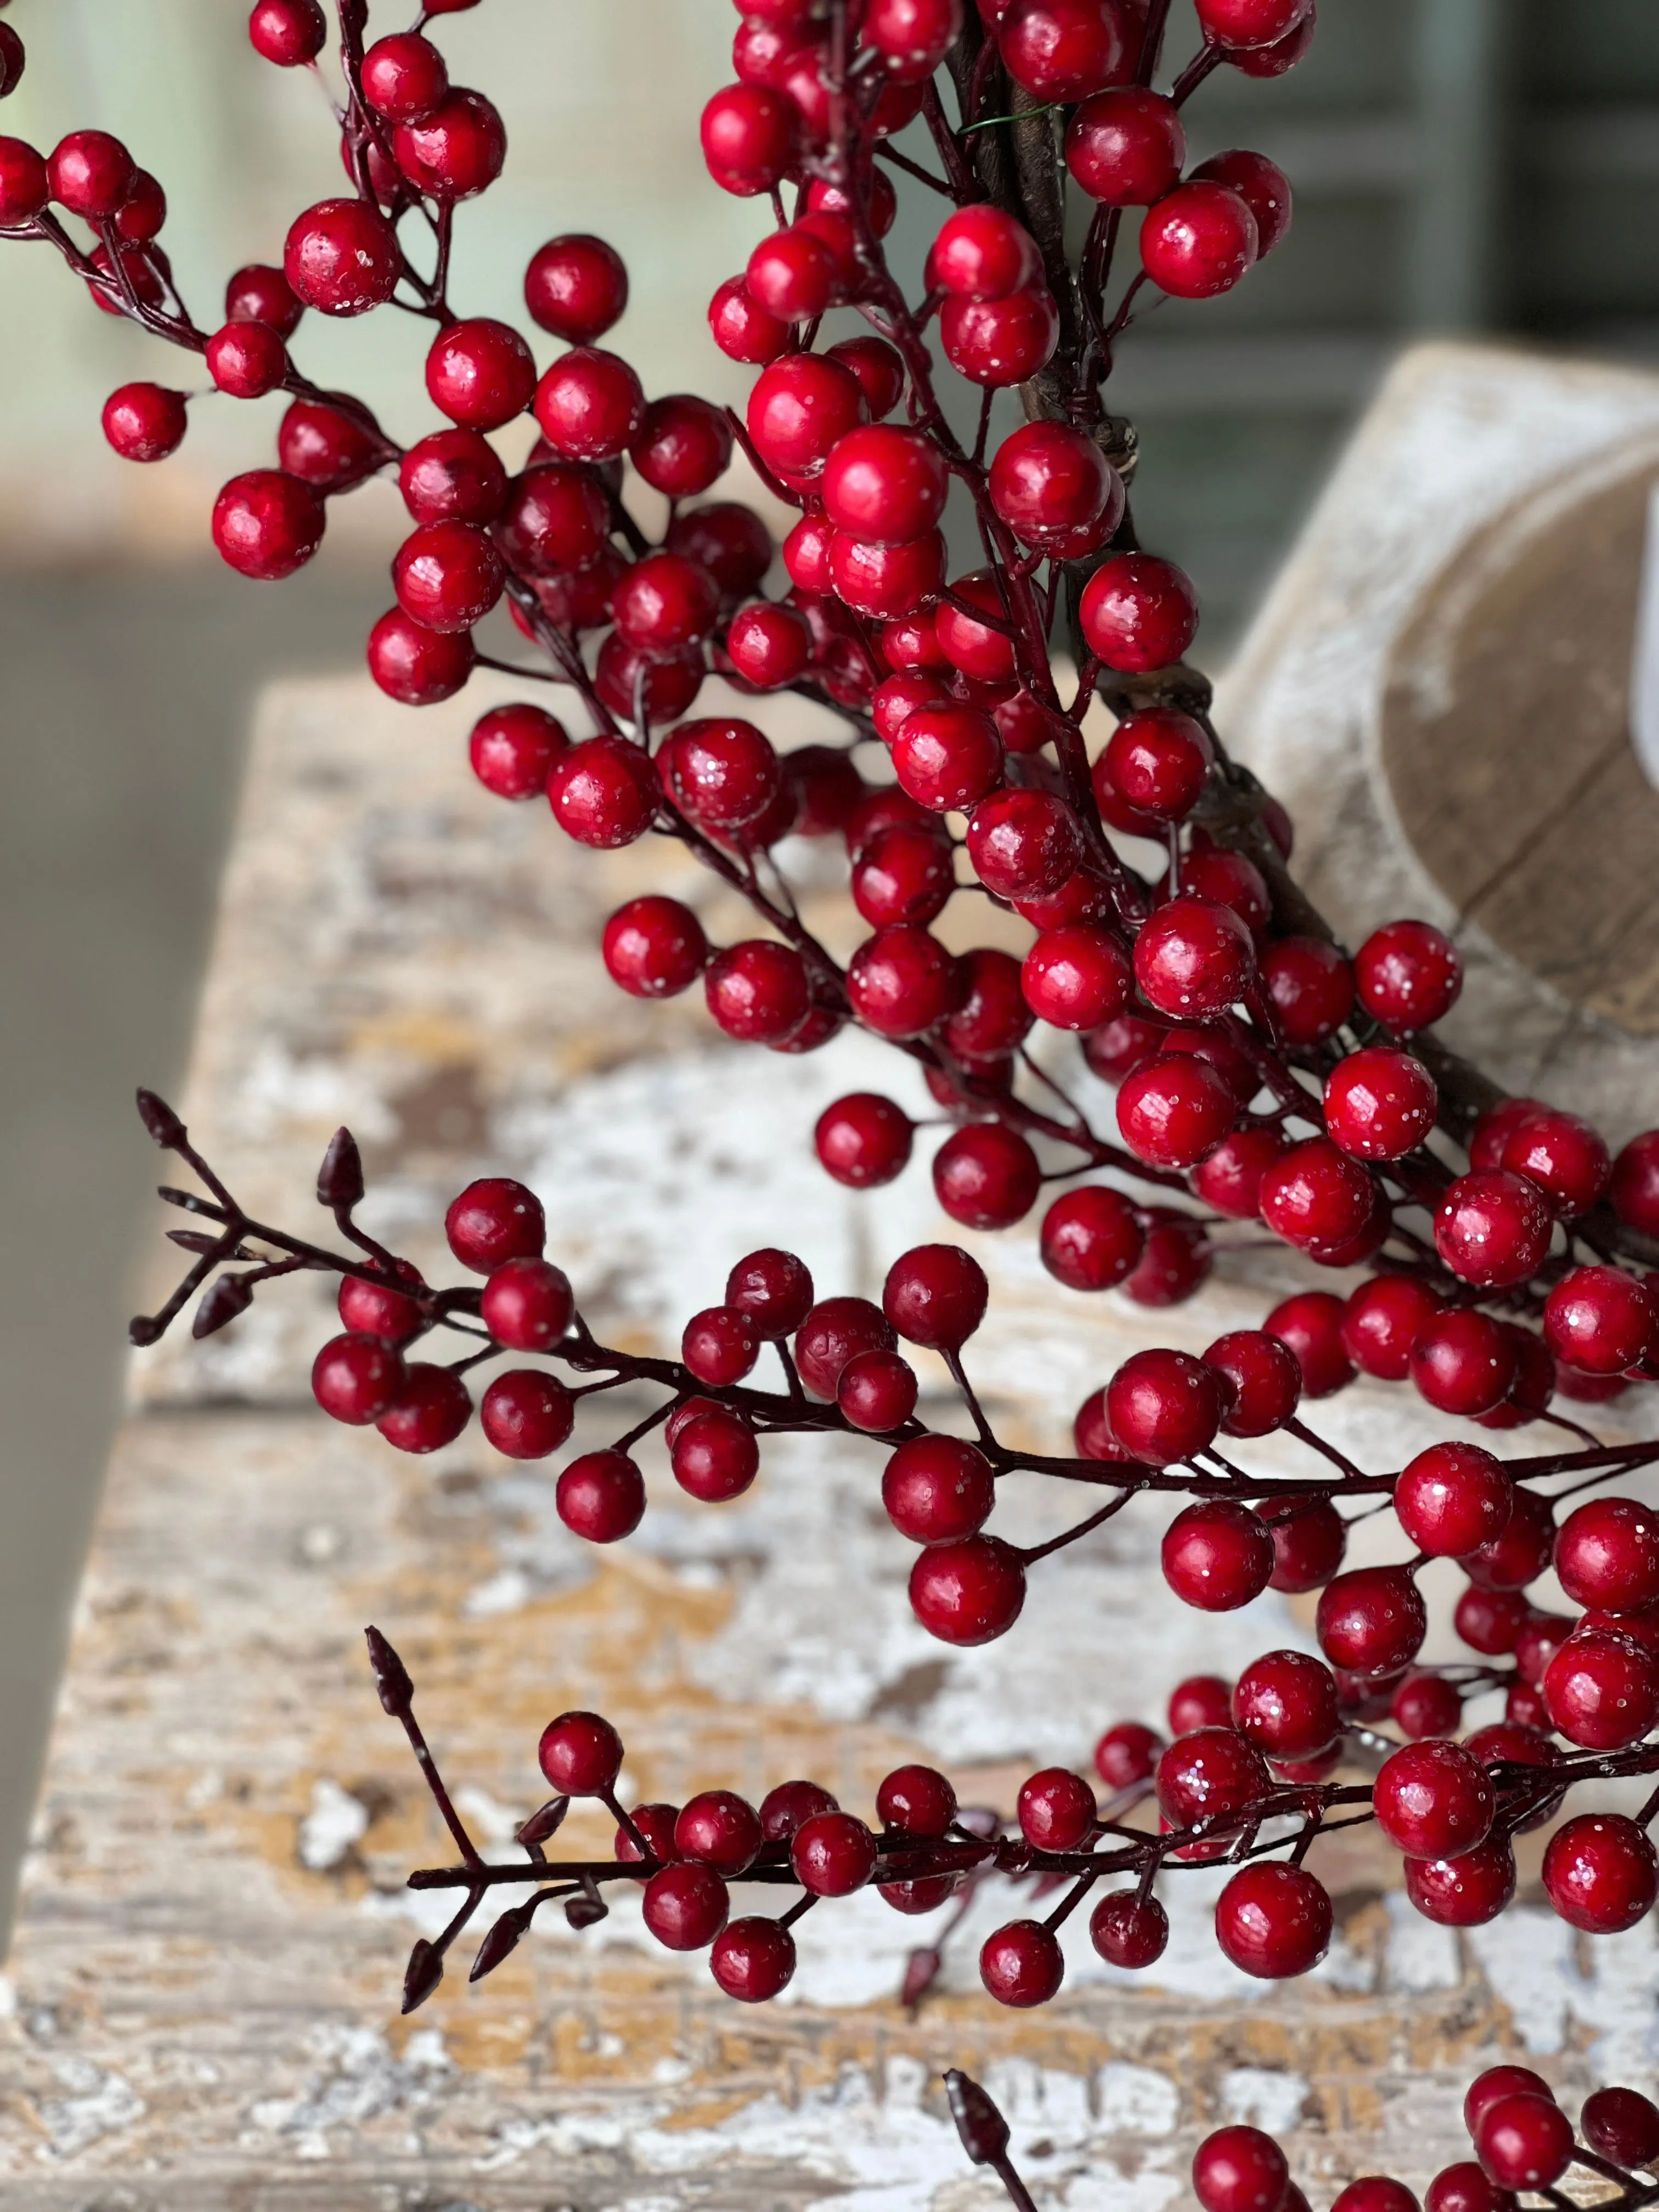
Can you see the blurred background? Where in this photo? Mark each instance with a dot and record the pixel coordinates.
(1460, 166)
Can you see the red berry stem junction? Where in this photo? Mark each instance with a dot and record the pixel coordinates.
(1244, 1778)
(1259, 1068)
(1525, 2146)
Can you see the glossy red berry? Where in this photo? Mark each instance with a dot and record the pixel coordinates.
(1465, 1892)
(1129, 1930)
(1175, 1109)
(144, 422)
(1563, 1156)
(1230, 1178)
(581, 1754)
(788, 1805)
(354, 1379)
(1260, 184)
(341, 258)
(1047, 477)
(935, 1295)
(1234, 23)
(1524, 2141)
(655, 947)
(1261, 1378)
(1623, 2125)
(1055, 1809)
(328, 450)
(601, 1497)
(1599, 1320)
(1024, 843)
(885, 581)
(494, 1220)
(719, 1345)
(801, 409)
(758, 991)
(1239, 2169)
(289, 33)
(1634, 1188)
(576, 287)
(864, 1140)
(526, 1414)
(1602, 1690)
(1285, 1704)
(528, 1304)
(457, 151)
(1311, 986)
(986, 1177)
(1092, 1238)
(1127, 1754)
(1022, 1965)
(884, 484)
(1139, 612)
(1309, 1324)
(403, 77)
(1210, 1772)
(25, 186)
(1499, 2081)
(1379, 1103)
(1193, 956)
(1452, 1498)
(1077, 977)
(266, 525)
(835, 1331)
(260, 294)
(719, 1829)
(748, 138)
(1314, 1195)
(374, 1308)
(1216, 1555)
(1001, 342)
(447, 576)
(1372, 1621)
(553, 517)
(480, 373)
(246, 360)
(832, 1855)
(947, 757)
(1600, 1873)
(753, 1958)
(1381, 1322)
(1433, 1801)
(1309, 1539)
(511, 750)
(1197, 241)
(429, 1411)
(686, 1907)
(937, 1489)
(878, 1391)
(901, 982)
(1126, 147)
(1164, 1406)
(743, 330)
(970, 1592)
(1408, 975)
(982, 254)
(589, 405)
(1607, 1555)
(1492, 1229)
(1462, 1362)
(1177, 1260)
(1273, 1920)
(1158, 759)
(682, 446)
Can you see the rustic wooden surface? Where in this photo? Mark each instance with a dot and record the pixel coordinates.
(201, 2010)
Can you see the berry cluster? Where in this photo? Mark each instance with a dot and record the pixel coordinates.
(1258, 1069)
(1523, 2142)
(1246, 1776)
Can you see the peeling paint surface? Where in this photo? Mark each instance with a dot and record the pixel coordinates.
(202, 2006)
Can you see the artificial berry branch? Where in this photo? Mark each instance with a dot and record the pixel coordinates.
(1525, 2146)
(1197, 995)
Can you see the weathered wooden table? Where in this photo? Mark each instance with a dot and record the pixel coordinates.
(202, 2007)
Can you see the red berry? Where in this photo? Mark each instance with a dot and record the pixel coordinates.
(885, 580)
(511, 750)
(1600, 1873)
(937, 1489)
(495, 1221)
(1240, 2170)
(603, 791)
(1092, 1238)
(742, 328)
(266, 525)
(1126, 147)
(90, 173)
(1164, 1406)
(576, 287)
(1197, 241)
(991, 1019)
(341, 258)
(1193, 956)
(1311, 986)
(528, 1304)
(686, 1907)
(526, 1414)
(1599, 1320)
(1310, 1325)
(144, 422)
(286, 32)
(981, 253)
(883, 484)
(1063, 49)
(864, 1140)
(769, 646)
(1174, 1109)
(917, 1800)
(721, 773)
(447, 576)
(1372, 1621)
(1408, 973)
(1263, 1377)
(328, 450)
(721, 1830)
(1308, 1538)
(1077, 977)
(257, 294)
(1466, 1891)
(986, 1177)
(877, 1391)
(581, 1754)
(1230, 1178)
(1285, 1704)
(1232, 23)
(354, 1379)
(935, 1295)
(601, 1497)
(1499, 2081)
(374, 1308)
(1521, 1554)
(655, 947)
(753, 1958)
(590, 405)
(1139, 612)
(1177, 1259)
(801, 409)
(1273, 1921)
(1314, 1195)
(1125, 1754)
(1209, 1772)
(832, 1855)
(683, 444)
(1492, 1229)
(715, 1457)
(1563, 1156)
(1159, 760)
(947, 757)
(970, 1592)
(1607, 1555)
(902, 981)
(789, 1806)
(903, 874)
(1024, 843)
(1047, 477)
(1056, 1810)
(1216, 1555)
(552, 517)
(403, 77)
(1379, 1103)
(748, 138)
(1230, 880)
(1634, 1188)
(480, 373)
(1260, 184)
(1022, 1964)
(1381, 1322)
(1461, 1361)
(1623, 2125)
(719, 1345)
(1524, 2142)
(1201, 1701)
(246, 360)
(1129, 1930)
(430, 1411)
(1452, 1498)
(1003, 341)
(1602, 1690)
(758, 991)
(1433, 1801)
(457, 151)
(25, 186)
(833, 1332)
